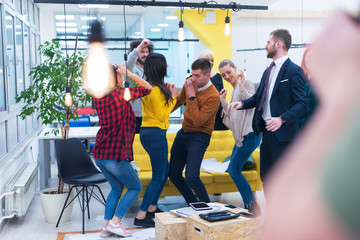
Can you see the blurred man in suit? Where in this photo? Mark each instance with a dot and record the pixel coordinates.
(279, 101)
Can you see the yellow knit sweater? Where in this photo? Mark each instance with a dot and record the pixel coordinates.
(154, 109)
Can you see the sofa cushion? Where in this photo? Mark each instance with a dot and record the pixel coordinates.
(221, 145)
(225, 177)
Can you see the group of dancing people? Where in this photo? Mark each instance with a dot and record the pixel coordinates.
(148, 111)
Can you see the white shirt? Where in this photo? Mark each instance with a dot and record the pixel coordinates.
(205, 87)
(272, 79)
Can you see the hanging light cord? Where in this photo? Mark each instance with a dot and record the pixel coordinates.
(181, 9)
(125, 55)
(67, 59)
(127, 84)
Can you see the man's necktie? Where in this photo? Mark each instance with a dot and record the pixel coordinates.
(263, 96)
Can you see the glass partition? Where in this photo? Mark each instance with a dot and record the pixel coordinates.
(27, 55)
(10, 57)
(19, 56)
(2, 82)
(18, 5)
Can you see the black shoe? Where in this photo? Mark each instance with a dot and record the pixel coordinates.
(152, 214)
(146, 222)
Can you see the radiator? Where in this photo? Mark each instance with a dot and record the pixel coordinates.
(24, 183)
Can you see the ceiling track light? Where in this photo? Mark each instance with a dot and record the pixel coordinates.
(208, 5)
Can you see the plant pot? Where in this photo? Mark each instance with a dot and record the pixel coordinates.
(52, 204)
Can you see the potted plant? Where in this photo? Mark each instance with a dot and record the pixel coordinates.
(51, 79)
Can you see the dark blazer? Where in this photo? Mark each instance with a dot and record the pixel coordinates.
(287, 100)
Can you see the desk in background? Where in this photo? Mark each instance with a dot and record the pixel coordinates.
(75, 132)
(44, 148)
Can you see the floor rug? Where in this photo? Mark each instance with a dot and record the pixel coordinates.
(95, 234)
(61, 235)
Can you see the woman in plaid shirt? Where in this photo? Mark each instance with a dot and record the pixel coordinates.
(113, 150)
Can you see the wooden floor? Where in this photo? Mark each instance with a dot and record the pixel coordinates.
(33, 225)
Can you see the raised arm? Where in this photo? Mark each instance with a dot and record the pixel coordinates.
(133, 56)
(141, 82)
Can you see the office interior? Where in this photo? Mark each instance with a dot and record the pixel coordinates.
(26, 24)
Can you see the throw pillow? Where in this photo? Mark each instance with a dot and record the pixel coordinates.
(249, 164)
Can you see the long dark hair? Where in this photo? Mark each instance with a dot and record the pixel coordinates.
(155, 70)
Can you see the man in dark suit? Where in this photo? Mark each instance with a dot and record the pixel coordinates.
(279, 101)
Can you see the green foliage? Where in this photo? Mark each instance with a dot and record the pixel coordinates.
(49, 80)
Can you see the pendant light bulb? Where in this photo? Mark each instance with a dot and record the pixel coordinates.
(97, 74)
(181, 33)
(68, 97)
(227, 29)
(127, 95)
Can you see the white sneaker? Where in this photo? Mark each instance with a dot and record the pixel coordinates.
(117, 229)
(105, 233)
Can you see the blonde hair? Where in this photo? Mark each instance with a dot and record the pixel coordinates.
(204, 53)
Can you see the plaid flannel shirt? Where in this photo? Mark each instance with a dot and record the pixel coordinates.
(117, 124)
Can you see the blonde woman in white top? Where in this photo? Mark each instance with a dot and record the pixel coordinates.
(240, 123)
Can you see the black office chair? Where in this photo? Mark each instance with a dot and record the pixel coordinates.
(77, 169)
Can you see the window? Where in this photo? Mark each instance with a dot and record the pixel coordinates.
(19, 57)
(10, 1)
(10, 57)
(3, 142)
(31, 12)
(2, 83)
(25, 9)
(18, 5)
(154, 24)
(27, 55)
(36, 15)
(33, 51)
(37, 45)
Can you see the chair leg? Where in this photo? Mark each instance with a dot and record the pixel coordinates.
(87, 202)
(102, 195)
(83, 210)
(62, 211)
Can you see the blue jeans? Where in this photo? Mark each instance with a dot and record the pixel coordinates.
(155, 143)
(238, 158)
(119, 174)
(189, 148)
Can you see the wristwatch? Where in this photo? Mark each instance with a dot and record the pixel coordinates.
(282, 119)
(192, 98)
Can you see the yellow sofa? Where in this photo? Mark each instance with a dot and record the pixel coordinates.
(221, 146)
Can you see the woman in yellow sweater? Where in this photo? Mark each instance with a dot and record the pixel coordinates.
(156, 108)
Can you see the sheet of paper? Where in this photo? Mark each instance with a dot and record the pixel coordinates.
(211, 165)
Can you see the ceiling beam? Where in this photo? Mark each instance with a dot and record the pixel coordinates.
(199, 5)
(126, 39)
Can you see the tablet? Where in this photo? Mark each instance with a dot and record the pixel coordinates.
(198, 206)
